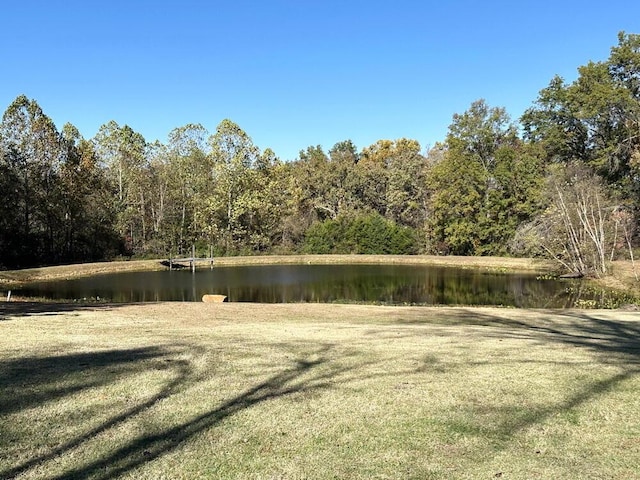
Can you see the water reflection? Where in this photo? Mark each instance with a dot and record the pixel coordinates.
(386, 284)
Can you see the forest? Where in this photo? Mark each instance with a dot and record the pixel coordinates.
(560, 182)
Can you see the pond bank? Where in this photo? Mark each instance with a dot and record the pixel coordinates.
(12, 278)
(622, 278)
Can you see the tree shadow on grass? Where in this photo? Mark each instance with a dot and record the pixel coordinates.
(311, 372)
(578, 328)
(609, 341)
(100, 368)
(151, 446)
(10, 310)
(31, 382)
(619, 340)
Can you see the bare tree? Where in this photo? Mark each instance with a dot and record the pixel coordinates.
(579, 229)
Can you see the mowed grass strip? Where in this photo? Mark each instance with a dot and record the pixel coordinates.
(247, 391)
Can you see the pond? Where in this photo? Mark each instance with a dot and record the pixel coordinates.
(377, 284)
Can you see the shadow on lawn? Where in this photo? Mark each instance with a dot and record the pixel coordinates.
(30, 382)
(84, 371)
(25, 309)
(611, 342)
(620, 338)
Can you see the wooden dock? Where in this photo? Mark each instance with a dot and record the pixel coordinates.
(177, 263)
(192, 260)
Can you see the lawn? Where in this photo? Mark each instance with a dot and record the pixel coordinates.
(293, 391)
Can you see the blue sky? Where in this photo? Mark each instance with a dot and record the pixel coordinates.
(296, 73)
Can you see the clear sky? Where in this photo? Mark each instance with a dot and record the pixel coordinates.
(296, 73)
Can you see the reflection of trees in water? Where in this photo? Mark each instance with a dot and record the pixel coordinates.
(507, 290)
(395, 285)
(434, 289)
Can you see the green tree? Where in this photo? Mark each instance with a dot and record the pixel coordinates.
(393, 175)
(313, 182)
(86, 203)
(373, 170)
(33, 153)
(297, 211)
(344, 181)
(55, 200)
(486, 183)
(596, 119)
(457, 188)
(123, 152)
(159, 200)
(406, 196)
(11, 227)
(228, 206)
(515, 194)
(329, 184)
(553, 123)
(190, 180)
(269, 201)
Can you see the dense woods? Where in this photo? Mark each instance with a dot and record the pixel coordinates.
(562, 182)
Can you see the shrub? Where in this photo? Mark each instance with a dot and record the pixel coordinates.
(363, 234)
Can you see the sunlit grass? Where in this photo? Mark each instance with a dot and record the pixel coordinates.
(188, 391)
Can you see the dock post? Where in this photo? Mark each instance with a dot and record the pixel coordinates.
(193, 258)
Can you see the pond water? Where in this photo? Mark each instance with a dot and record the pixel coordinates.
(379, 284)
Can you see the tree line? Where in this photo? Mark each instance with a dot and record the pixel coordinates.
(562, 182)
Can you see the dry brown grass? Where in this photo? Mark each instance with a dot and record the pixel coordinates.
(624, 276)
(16, 277)
(194, 390)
